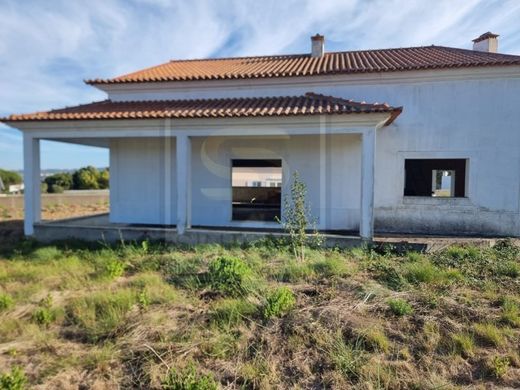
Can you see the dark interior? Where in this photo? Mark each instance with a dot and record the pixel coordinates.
(418, 175)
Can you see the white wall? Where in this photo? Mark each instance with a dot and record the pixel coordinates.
(474, 117)
(142, 181)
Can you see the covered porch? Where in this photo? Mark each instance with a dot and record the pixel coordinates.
(177, 159)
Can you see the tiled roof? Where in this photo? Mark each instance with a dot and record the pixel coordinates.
(309, 104)
(366, 61)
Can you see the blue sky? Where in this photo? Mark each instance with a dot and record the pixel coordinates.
(48, 47)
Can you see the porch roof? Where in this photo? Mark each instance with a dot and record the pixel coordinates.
(280, 106)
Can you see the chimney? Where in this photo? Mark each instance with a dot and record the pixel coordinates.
(318, 45)
(486, 42)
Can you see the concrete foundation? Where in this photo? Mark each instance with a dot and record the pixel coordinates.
(98, 228)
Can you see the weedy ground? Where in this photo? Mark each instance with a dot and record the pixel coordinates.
(144, 315)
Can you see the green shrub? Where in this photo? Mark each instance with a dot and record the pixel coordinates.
(111, 268)
(13, 380)
(188, 379)
(47, 253)
(6, 301)
(43, 316)
(498, 366)
(230, 275)
(400, 307)
(279, 302)
(231, 312)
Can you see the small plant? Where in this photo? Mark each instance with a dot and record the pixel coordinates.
(463, 344)
(47, 253)
(113, 268)
(13, 380)
(188, 379)
(143, 298)
(279, 302)
(400, 307)
(498, 366)
(230, 275)
(297, 219)
(43, 316)
(5, 301)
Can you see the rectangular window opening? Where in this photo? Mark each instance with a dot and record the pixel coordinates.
(440, 178)
(257, 190)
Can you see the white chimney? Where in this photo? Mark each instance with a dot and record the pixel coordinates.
(486, 42)
(318, 45)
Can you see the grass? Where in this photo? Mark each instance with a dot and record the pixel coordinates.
(400, 307)
(151, 315)
(463, 344)
(490, 334)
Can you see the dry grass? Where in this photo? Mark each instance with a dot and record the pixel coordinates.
(148, 316)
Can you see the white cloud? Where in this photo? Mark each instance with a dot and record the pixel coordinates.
(48, 47)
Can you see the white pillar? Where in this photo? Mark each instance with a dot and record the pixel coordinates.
(32, 184)
(183, 162)
(368, 154)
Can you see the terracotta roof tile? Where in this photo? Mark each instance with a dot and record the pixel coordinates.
(366, 61)
(309, 104)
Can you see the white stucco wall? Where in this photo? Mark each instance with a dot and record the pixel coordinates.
(142, 181)
(466, 115)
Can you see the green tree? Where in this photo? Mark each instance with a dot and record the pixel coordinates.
(62, 180)
(85, 179)
(9, 178)
(103, 179)
(297, 219)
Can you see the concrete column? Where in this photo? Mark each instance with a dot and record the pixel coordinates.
(32, 184)
(368, 154)
(183, 160)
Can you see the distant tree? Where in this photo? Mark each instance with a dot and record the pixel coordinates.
(9, 178)
(59, 181)
(103, 179)
(85, 179)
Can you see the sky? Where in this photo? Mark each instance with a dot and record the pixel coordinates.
(47, 48)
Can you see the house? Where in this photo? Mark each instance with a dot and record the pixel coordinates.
(406, 140)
